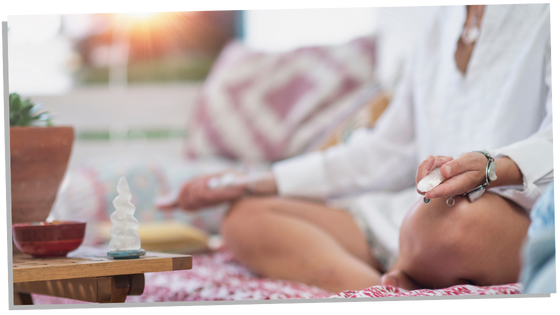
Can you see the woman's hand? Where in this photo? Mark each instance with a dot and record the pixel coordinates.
(461, 175)
(196, 194)
(429, 164)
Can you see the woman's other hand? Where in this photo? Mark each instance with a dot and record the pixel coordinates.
(196, 194)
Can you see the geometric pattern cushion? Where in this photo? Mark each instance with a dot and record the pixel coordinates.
(265, 107)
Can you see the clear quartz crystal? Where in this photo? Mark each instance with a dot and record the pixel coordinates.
(124, 235)
(431, 180)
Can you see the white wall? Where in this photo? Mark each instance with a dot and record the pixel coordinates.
(136, 107)
(39, 57)
(397, 28)
(281, 30)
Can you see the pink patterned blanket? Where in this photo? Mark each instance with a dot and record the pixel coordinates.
(218, 277)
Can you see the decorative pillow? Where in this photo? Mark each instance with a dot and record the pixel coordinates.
(257, 106)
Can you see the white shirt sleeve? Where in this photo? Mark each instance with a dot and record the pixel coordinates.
(383, 158)
(533, 156)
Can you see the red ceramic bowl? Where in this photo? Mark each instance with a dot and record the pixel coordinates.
(43, 240)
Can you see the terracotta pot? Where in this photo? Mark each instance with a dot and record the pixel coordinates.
(38, 160)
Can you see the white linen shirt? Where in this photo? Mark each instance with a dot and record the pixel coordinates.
(501, 104)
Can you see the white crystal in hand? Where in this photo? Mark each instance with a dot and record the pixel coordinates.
(431, 180)
(124, 235)
(232, 179)
(227, 180)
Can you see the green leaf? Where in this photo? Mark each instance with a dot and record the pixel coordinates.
(15, 102)
(25, 113)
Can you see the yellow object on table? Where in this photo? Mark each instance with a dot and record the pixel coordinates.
(165, 236)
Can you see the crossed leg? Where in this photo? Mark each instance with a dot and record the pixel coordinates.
(477, 243)
(302, 241)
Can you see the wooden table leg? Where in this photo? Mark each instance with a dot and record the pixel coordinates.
(113, 289)
(137, 283)
(22, 298)
(110, 289)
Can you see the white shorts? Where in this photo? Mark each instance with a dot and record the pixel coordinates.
(379, 216)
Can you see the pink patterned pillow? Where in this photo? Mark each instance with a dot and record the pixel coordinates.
(257, 106)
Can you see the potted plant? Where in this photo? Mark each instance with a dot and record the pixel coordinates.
(39, 154)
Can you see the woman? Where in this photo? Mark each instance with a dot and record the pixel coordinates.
(479, 80)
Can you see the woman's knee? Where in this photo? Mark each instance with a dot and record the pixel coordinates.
(427, 239)
(468, 224)
(494, 231)
(244, 218)
(478, 241)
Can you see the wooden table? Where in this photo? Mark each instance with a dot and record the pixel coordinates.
(88, 274)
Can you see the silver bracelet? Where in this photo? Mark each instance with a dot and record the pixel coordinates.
(490, 176)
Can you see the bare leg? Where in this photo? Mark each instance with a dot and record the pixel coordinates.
(476, 243)
(301, 241)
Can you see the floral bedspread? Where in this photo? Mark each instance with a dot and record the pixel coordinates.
(389, 291)
(218, 277)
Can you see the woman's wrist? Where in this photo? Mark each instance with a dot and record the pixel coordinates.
(507, 172)
(265, 185)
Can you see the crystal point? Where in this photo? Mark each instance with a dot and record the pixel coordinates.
(124, 235)
(431, 180)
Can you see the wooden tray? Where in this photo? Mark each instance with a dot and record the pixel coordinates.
(93, 262)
